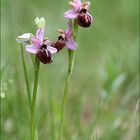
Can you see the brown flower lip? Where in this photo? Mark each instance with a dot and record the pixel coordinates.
(83, 19)
(59, 44)
(44, 56)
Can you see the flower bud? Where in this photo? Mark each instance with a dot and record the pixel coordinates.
(59, 44)
(44, 56)
(25, 38)
(83, 19)
(40, 22)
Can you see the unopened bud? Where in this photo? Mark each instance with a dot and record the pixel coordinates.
(25, 38)
(40, 22)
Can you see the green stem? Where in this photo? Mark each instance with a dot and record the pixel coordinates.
(52, 116)
(25, 75)
(68, 79)
(33, 60)
(33, 126)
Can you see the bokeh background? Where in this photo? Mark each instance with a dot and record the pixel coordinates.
(103, 98)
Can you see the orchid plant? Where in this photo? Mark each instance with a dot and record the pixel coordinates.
(42, 49)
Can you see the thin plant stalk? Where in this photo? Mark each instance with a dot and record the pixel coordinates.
(133, 125)
(33, 125)
(68, 79)
(27, 82)
(52, 116)
(25, 75)
(51, 107)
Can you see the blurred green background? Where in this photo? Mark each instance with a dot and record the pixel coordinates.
(101, 104)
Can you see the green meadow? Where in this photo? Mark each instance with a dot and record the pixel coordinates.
(103, 100)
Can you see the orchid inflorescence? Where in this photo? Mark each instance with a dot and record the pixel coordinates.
(42, 47)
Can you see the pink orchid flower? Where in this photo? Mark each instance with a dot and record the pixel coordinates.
(70, 43)
(38, 42)
(41, 47)
(65, 39)
(79, 11)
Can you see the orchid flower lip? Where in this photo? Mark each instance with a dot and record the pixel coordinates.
(44, 56)
(84, 19)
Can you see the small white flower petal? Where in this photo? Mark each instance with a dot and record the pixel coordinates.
(24, 38)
